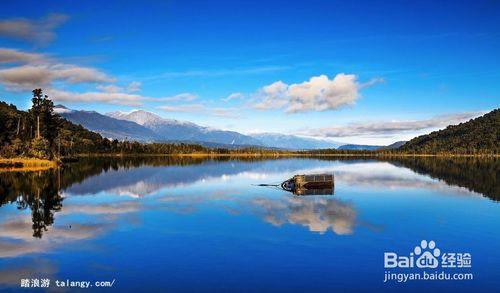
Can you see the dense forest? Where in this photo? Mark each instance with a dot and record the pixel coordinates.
(477, 136)
(40, 133)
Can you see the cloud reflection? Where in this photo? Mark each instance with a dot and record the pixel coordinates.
(223, 185)
(40, 269)
(16, 236)
(317, 214)
(384, 175)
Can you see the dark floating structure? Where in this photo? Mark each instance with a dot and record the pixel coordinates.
(314, 184)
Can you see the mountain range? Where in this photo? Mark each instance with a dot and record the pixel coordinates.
(359, 147)
(145, 126)
(175, 130)
(107, 126)
(293, 142)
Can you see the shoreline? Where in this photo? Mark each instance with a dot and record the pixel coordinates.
(289, 155)
(33, 164)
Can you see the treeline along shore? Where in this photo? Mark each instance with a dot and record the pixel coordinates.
(39, 136)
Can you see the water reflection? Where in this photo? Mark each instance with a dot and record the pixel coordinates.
(138, 220)
(39, 269)
(475, 174)
(376, 175)
(317, 214)
(43, 193)
(17, 239)
(35, 191)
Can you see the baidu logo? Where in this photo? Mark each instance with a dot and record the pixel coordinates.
(427, 255)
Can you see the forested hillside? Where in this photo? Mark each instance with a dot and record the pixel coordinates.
(477, 136)
(42, 134)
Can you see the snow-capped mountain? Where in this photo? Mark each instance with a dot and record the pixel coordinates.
(141, 117)
(175, 130)
(146, 126)
(107, 126)
(147, 119)
(293, 142)
(59, 109)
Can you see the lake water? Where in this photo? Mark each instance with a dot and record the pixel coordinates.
(202, 225)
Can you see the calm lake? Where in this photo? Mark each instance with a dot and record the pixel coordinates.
(184, 224)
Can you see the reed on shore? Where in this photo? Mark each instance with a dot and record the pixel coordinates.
(26, 164)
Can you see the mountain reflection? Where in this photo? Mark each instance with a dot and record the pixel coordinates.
(42, 193)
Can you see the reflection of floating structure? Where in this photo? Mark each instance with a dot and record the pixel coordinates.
(317, 184)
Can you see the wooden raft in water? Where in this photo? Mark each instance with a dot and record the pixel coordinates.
(310, 184)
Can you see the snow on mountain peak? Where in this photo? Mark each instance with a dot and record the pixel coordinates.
(58, 109)
(146, 118)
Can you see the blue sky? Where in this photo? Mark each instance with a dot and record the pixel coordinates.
(363, 72)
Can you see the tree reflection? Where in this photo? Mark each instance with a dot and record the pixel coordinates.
(476, 174)
(36, 191)
(40, 191)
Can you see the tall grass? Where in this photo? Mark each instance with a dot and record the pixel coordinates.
(26, 164)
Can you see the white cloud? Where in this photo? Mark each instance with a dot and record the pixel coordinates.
(77, 74)
(183, 97)
(116, 98)
(37, 71)
(112, 94)
(233, 96)
(134, 86)
(382, 128)
(26, 71)
(15, 56)
(109, 88)
(28, 77)
(182, 108)
(25, 77)
(40, 32)
(202, 110)
(319, 93)
(274, 96)
(218, 72)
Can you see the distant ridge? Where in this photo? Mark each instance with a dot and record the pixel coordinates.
(395, 145)
(293, 142)
(360, 147)
(479, 135)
